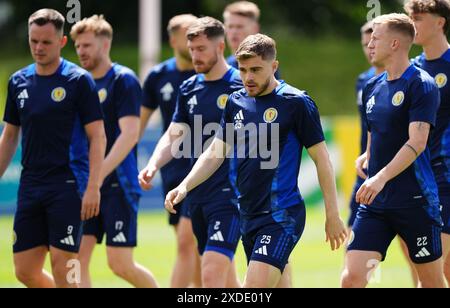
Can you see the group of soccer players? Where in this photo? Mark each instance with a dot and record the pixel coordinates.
(404, 171)
(230, 153)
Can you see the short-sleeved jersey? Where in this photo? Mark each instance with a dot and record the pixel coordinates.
(161, 89)
(232, 61)
(200, 105)
(439, 69)
(120, 95)
(389, 108)
(285, 121)
(52, 112)
(360, 85)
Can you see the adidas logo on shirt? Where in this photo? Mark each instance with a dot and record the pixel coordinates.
(23, 96)
(192, 103)
(423, 253)
(238, 120)
(68, 241)
(120, 238)
(262, 251)
(218, 237)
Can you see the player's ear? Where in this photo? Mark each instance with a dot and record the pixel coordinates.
(64, 40)
(107, 44)
(441, 22)
(172, 41)
(395, 44)
(221, 46)
(275, 65)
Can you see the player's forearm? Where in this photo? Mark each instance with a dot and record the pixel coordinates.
(208, 163)
(163, 152)
(8, 146)
(97, 148)
(404, 158)
(146, 114)
(326, 175)
(413, 148)
(120, 150)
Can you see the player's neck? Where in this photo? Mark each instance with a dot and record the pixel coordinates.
(436, 48)
(379, 70)
(49, 69)
(397, 66)
(102, 69)
(183, 64)
(218, 71)
(274, 83)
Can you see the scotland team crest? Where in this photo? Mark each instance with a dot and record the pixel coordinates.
(58, 95)
(441, 80)
(222, 101)
(398, 98)
(102, 95)
(270, 115)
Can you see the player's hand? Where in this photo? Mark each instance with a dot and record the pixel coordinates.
(361, 165)
(146, 177)
(174, 197)
(370, 190)
(90, 207)
(336, 232)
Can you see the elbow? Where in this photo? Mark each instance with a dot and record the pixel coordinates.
(133, 136)
(102, 140)
(420, 146)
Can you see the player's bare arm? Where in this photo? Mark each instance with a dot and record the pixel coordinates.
(146, 114)
(414, 147)
(127, 140)
(336, 232)
(163, 154)
(8, 145)
(97, 146)
(205, 167)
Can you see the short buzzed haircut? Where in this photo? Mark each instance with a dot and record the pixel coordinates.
(436, 7)
(95, 24)
(258, 45)
(243, 8)
(208, 26)
(178, 22)
(399, 23)
(48, 16)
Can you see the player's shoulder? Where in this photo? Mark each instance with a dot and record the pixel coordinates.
(374, 81)
(288, 94)
(419, 60)
(367, 75)
(124, 73)
(237, 96)
(446, 56)
(291, 93)
(23, 74)
(162, 68)
(192, 84)
(421, 79)
(231, 60)
(233, 77)
(71, 70)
